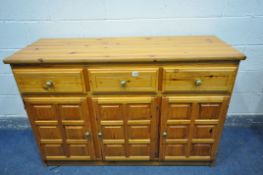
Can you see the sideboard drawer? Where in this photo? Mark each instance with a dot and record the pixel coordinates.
(198, 78)
(50, 80)
(123, 79)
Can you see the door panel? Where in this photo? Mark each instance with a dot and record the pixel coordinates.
(49, 132)
(111, 150)
(204, 131)
(176, 150)
(179, 111)
(53, 150)
(209, 111)
(113, 132)
(44, 112)
(71, 112)
(189, 126)
(201, 149)
(139, 112)
(75, 133)
(177, 132)
(128, 126)
(139, 149)
(79, 150)
(63, 127)
(139, 132)
(110, 112)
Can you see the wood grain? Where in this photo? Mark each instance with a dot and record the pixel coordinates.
(190, 137)
(129, 49)
(63, 80)
(138, 79)
(61, 141)
(127, 126)
(183, 78)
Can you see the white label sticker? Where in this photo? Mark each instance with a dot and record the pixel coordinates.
(135, 73)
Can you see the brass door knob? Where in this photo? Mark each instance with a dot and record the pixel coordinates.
(99, 134)
(49, 84)
(164, 133)
(87, 135)
(198, 82)
(123, 83)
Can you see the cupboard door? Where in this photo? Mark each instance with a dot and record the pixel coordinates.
(191, 126)
(62, 127)
(127, 127)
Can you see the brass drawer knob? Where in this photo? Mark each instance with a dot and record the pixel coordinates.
(49, 84)
(99, 134)
(164, 133)
(87, 135)
(198, 82)
(123, 83)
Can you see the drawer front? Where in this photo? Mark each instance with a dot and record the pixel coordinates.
(124, 80)
(50, 80)
(196, 78)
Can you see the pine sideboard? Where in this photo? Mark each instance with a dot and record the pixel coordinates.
(133, 100)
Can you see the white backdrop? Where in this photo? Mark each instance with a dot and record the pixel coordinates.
(238, 22)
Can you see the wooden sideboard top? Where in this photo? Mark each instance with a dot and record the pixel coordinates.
(128, 49)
